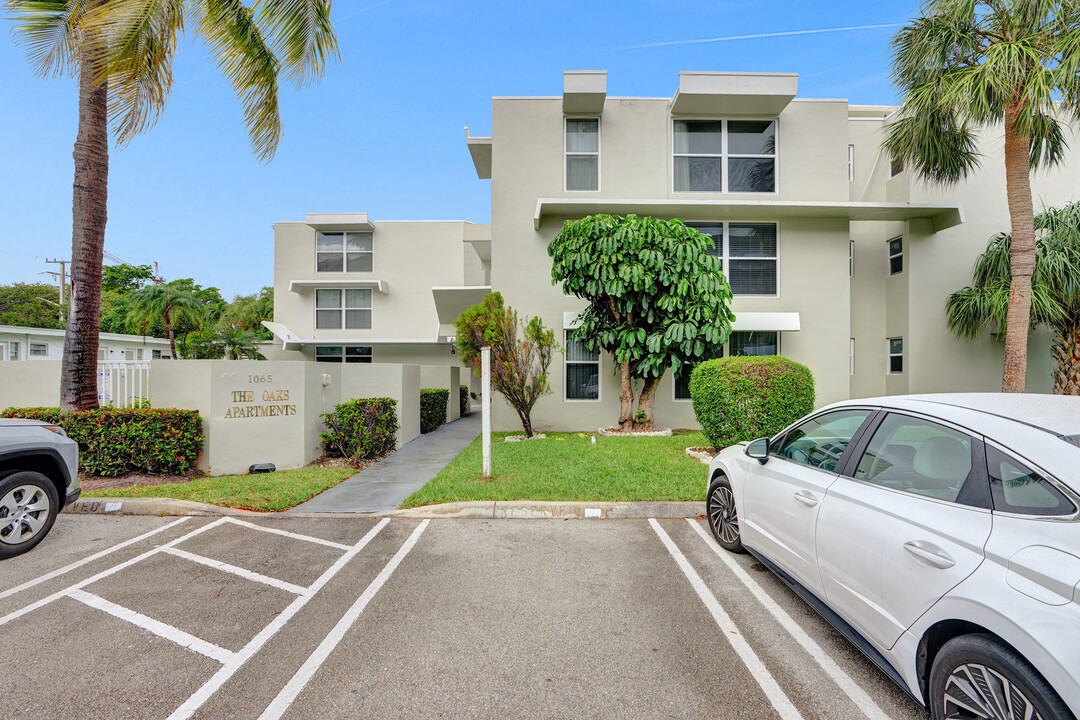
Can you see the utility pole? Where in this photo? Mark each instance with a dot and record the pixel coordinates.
(63, 281)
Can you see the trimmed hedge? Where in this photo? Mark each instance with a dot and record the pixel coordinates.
(464, 401)
(433, 408)
(362, 428)
(744, 398)
(116, 441)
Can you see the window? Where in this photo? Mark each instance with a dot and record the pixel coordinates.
(1016, 488)
(750, 253)
(851, 258)
(102, 354)
(755, 342)
(896, 355)
(820, 441)
(724, 155)
(133, 354)
(155, 354)
(582, 371)
(14, 351)
(336, 354)
(895, 167)
(582, 154)
(682, 379)
(851, 163)
(343, 251)
(343, 309)
(896, 256)
(39, 350)
(917, 456)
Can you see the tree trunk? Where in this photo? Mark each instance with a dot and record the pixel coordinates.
(645, 404)
(626, 398)
(170, 333)
(526, 423)
(1066, 353)
(78, 374)
(1022, 264)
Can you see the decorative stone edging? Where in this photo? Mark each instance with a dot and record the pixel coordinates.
(519, 438)
(613, 432)
(701, 453)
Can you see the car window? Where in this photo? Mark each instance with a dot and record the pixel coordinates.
(820, 441)
(1017, 488)
(917, 456)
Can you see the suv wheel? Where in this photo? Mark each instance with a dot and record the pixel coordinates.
(978, 676)
(28, 508)
(722, 514)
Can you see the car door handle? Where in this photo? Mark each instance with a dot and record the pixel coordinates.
(930, 553)
(807, 499)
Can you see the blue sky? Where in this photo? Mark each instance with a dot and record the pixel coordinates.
(383, 131)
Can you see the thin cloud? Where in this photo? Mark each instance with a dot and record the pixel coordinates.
(788, 33)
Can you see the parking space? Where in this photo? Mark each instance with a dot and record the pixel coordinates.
(343, 617)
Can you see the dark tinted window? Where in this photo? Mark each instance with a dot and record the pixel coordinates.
(1016, 488)
(820, 441)
(917, 456)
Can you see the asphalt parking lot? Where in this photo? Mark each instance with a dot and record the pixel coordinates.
(143, 617)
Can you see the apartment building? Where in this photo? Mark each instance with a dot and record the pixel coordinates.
(27, 343)
(838, 258)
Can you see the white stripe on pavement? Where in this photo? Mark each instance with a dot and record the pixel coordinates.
(760, 673)
(246, 574)
(200, 696)
(293, 688)
(91, 558)
(286, 533)
(157, 627)
(834, 671)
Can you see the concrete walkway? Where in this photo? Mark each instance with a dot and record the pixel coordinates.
(384, 485)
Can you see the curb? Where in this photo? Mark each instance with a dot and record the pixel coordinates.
(515, 510)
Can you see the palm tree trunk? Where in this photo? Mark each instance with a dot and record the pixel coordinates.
(78, 374)
(1066, 354)
(170, 333)
(626, 398)
(1022, 265)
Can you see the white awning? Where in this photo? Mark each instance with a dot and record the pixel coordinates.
(452, 301)
(779, 321)
(292, 341)
(298, 286)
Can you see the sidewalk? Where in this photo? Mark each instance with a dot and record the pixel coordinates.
(384, 485)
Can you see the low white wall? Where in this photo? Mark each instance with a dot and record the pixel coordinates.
(448, 378)
(400, 382)
(29, 384)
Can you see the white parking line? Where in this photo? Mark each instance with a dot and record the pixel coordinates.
(246, 574)
(286, 533)
(204, 693)
(857, 695)
(90, 559)
(761, 674)
(157, 627)
(288, 693)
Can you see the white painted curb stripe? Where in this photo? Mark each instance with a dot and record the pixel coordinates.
(293, 688)
(246, 574)
(286, 533)
(158, 628)
(858, 696)
(761, 674)
(89, 559)
(204, 693)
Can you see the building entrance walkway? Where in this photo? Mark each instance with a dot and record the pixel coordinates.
(384, 485)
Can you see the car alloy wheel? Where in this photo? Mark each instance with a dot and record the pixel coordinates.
(24, 512)
(976, 692)
(722, 514)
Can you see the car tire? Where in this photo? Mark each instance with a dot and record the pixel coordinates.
(18, 490)
(722, 515)
(970, 670)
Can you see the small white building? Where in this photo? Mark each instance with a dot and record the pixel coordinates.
(26, 343)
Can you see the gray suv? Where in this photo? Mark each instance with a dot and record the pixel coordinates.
(39, 475)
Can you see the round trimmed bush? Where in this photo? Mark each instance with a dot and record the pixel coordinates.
(744, 398)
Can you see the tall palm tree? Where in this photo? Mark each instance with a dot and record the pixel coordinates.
(1055, 291)
(971, 65)
(166, 302)
(237, 343)
(122, 53)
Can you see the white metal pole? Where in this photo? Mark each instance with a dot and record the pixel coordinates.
(485, 406)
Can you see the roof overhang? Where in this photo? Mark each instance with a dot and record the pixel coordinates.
(940, 216)
(452, 301)
(480, 150)
(298, 286)
(292, 341)
(734, 93)
(339, 221)
(777, 321)
(584, 91)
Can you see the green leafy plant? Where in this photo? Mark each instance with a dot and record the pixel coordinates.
(433, 404)
(463, 395)
(657, 298)
(744, 398)
(362, 428)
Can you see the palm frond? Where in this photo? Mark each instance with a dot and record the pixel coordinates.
(49, 30)
(302, 36)
(933, 143)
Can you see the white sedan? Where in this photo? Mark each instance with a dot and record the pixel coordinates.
(939, 533)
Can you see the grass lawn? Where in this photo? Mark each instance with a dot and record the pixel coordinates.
(266, 492)
(568, 466)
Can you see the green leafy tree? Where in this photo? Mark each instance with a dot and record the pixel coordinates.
(124, 278)
(171, 303)
(30, 305)
(657, 299)
(967, 66)
(122, 52)
(1055, 291)
(519, 365)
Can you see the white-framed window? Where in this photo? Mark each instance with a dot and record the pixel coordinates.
(14, 348)
(896, 356)
(343, 309)
(851, 163)
(740, 343)
(737, 156)
(347, 353)
(132, 354)
(155, 354)
(750, 252)
(344, 251)
(582, 151)
(102, 354)
(582, 370)
(39, 350)
(851, 258)
(896, 256)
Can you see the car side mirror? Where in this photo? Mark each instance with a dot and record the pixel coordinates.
(759, 450)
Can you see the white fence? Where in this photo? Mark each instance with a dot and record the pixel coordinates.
(123, 384)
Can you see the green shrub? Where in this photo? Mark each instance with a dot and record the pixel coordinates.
(362, 428)
(464, 402)
(119, 441)
(744, 398)
(433, 408)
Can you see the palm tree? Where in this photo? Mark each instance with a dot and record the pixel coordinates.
(237, 343)
(1055, 291)
(122, 52)
(970, 65)
(166, 302)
